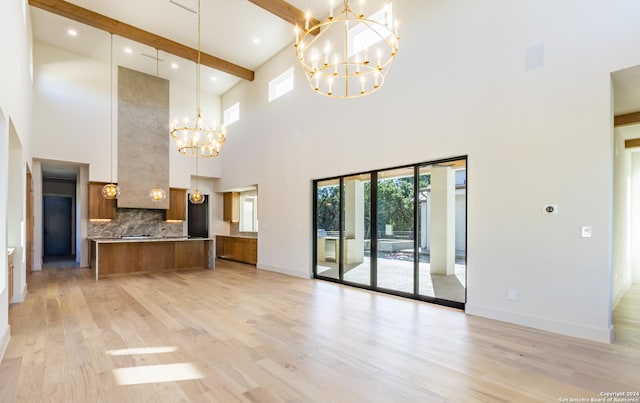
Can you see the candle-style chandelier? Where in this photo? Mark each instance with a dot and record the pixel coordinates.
(195, 137)
(350, 54)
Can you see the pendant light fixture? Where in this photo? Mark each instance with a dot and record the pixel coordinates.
(196, 197)
(157, 194)
(195, 137)
(111, 190)
(350, 54)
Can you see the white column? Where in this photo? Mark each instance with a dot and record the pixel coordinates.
(354, 221)
(442, 217)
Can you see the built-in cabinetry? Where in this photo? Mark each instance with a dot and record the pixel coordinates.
(231, 207)
(237, 248)
(177, 205)
(99, 207)
(119, 257)
(10, 270)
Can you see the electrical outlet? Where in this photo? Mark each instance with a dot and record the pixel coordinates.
(511, 295)
(586, 232)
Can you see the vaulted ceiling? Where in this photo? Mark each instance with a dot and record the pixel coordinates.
(237, 36)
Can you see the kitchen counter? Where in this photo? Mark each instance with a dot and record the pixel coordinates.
(146, 239)
(125, 256)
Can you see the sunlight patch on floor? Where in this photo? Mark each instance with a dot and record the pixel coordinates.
(157, 373)
(143, 350)
(153, 373)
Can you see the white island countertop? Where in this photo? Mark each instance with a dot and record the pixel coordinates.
(147, 239)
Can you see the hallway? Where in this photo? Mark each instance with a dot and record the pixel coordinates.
(626, 319)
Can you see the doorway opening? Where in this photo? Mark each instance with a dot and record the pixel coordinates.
(59, 214)
(198, 219)
(625, 281)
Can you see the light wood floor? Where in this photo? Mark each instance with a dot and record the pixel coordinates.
(262, 337)
(626, 318)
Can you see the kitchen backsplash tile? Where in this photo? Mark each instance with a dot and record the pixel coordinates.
(135, 222)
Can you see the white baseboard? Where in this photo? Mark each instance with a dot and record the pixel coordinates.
(4, 341)
(281, 270)
(602, 335)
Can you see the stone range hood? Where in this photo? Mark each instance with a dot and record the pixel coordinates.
(143, 138)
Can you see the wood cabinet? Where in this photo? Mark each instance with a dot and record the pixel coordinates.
(231, 207)
(122, 258)
(99, 207)
(177, 205)
(237, 248)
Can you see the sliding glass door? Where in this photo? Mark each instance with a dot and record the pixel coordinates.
(356, 234)
(400, 231)
(328, 228)
(395, 238)
(442, 216)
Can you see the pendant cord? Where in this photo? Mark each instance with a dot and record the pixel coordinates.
(157, 76)
(111, 108)
(198, 66)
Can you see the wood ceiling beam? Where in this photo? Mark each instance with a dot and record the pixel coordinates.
(626, 119)
(93, 19)
(287, 12)
(632, 143)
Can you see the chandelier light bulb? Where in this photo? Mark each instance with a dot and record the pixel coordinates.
(157, 194)
(196, 197)
(111, 191)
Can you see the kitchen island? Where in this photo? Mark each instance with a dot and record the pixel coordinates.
(122, 256)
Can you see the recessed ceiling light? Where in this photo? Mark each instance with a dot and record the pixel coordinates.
(128, 51)
(213, 78)
(72, 32)
(174, 66)
(256, 40)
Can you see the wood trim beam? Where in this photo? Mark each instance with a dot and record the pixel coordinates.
(632, 143)
(287, 12)
(93, 19)
(626, 119)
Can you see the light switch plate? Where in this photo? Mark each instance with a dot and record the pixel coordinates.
(586, 232)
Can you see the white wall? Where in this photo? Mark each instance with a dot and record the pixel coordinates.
(635, 216)
(36, 171)
(15, 110)
(460, 86)
(71, 103)
(16, 214)
(4, 190)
